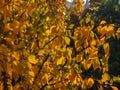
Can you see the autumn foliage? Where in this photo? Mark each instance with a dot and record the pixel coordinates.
(42, 48)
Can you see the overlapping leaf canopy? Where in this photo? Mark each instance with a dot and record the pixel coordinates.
(42, 48)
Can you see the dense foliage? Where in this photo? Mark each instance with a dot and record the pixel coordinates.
(44, 45)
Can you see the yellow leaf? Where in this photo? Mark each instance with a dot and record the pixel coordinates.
(16, 55)
(29, 65)
(67, 40)
(106, 48)
(87, 64)
(31, 73)
(93, 42)
(101, 41)
(118, 30)
(90, 82)
(105, 77)
(60, 60)
(32, 59)
(47, 18)
(110, 27)
(32, 1)
(15, 62)
(8, 27)
(46, 77)
(114, 88)
(87, 20)
(75, 81)
(103, 22)
(9, 40)
(31, 80)
(96, 63)
(33, 45)
(41, 52)
(69, 50)
(47, 32)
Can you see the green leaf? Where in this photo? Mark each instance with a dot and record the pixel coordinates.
(71, 26)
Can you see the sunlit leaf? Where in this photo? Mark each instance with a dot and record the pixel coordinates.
(15, 62)
(9, 40)
(93, 42)
(60, 60)
(69, 50)
(32, 59)
(46, 77)
(41, 52)
(114, 88)
(110, 27)
(31, 73)
(75, 81)
(8, 27)
(87, 20)
(47, 18)
(16, 55)
(106, 48)
(90, 82)
(96, 63)
(103, 22)
(31, 80)
(67, 40)
(33, 44)
(105, 77)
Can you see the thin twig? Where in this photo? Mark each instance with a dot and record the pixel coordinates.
(50, 41)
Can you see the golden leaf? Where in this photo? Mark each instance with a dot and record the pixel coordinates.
(105, 77)
(46, 77)
(31, 73)
(33, 45)
(67, 40)
(16, 55)
(32, 59)
(47, 18)
(69, 50)
(72, 75)
(110, 27)
(114, 88)
(60, 60)
(96, 63)
(8, 27)
(103, 22)
(41, 52)
(75, 81)
(31, 80)
(87, 64)
(29, 65)
(106, 48)
(15, 62)
(9, 40)
(90, 82)
(101, 41)
(48, 32)
(93, 42)
(87, 20)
